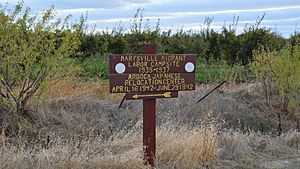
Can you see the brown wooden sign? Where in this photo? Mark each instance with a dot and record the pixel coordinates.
(149, 76)
(152, 73)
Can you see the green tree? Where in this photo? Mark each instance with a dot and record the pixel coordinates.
(281, 69)
(33, 52)
(253, 38)
(287, 76)
(295, 39)
(263, 68)
(214, 50)
(230, 45)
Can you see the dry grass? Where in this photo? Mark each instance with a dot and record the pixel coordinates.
(257, 150)
(184, 148)
(177, 147)
(180, 148)
(72, 87)
(234, 144)
(87, 130)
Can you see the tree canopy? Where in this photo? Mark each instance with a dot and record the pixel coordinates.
(34, 50)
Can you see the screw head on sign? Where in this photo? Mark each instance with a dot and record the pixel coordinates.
(120, 68)
(189, 67)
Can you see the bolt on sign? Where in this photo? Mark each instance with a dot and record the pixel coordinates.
(151, 75)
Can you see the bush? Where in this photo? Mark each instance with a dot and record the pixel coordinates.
(33, 52)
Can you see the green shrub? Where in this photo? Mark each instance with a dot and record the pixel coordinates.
(33, 52)
(96, 66)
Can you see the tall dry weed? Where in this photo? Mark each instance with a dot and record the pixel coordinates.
(180, 148)
(186, 148)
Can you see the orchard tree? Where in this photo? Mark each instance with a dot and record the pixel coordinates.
(282, 70)
(230, 45)
(287, 75)
(263, 68)
(34, 50)
(253, 38)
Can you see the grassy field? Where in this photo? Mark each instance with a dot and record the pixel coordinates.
(79, 125)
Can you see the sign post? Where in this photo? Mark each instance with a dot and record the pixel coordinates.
(149, 121)
(149, 76)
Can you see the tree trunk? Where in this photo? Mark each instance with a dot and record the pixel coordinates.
(298, 125)
(267, 90)
(285, 104)
(21, 107)
(279, 128)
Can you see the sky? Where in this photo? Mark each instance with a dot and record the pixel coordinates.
(282, 16)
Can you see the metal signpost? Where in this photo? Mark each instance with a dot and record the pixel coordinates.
(149, 76)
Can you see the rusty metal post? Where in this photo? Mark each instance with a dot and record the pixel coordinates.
(149, 120)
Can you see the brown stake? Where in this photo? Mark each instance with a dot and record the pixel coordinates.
(149, 120)
(211, 91)
(124, 97)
